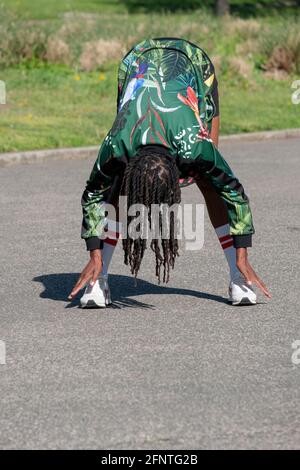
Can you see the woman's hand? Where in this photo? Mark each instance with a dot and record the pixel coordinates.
(248, 272)
(89, 274)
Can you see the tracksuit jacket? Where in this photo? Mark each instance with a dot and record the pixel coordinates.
(167, 97)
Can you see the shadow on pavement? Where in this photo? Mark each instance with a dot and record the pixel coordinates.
(123, 288)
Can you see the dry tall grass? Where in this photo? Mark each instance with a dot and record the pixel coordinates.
(241, 67)
(281, 47)
(96, 53)
(88, 42)
(249, 28)
(58, 51)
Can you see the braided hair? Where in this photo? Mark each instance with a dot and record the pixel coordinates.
(152, 178)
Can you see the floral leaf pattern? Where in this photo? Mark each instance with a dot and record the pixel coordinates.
(173, 63)
(164, 98)
(192, 101)
(121, 120)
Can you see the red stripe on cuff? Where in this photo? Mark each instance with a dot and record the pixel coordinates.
(227, 244)
(111, 234)
(225, 238)
(110, 241)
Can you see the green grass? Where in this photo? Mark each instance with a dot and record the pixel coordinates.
(266, 105)
(54, 105)
(51, 107)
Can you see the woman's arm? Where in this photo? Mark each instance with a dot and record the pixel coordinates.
(214, 133)
(215, 124)
(95, 195)
(93, 211)
(211, 163)
(93, 222)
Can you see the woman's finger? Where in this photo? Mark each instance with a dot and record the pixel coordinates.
(83, 279)
(256, 279)
(75, 287)
(79, 285)
(252, 278)
(262, 286)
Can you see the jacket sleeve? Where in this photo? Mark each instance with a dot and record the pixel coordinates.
(210, 82)
(93, 199)
(212, 164)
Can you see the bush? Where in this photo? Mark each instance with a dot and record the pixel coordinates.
(97, 53)
(21, 42)
(280, 48)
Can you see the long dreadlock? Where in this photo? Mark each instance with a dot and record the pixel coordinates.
(152, 178)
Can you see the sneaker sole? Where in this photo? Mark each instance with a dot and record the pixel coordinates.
(92, 304)
(243, 301)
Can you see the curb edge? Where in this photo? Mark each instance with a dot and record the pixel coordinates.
(12, 158)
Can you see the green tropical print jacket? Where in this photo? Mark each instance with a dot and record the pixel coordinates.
(164, 98)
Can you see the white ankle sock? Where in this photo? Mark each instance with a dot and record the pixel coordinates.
(109, 244)
(226, 241)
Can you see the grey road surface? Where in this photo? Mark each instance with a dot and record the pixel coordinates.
(166, 367)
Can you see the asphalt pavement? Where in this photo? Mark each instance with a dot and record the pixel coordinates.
(168, 367)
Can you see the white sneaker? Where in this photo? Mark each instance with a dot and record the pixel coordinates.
(97, 295)
(240, 293)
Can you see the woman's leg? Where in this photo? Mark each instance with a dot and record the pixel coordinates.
(114, 226)
(114, 229)
(219, 218)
